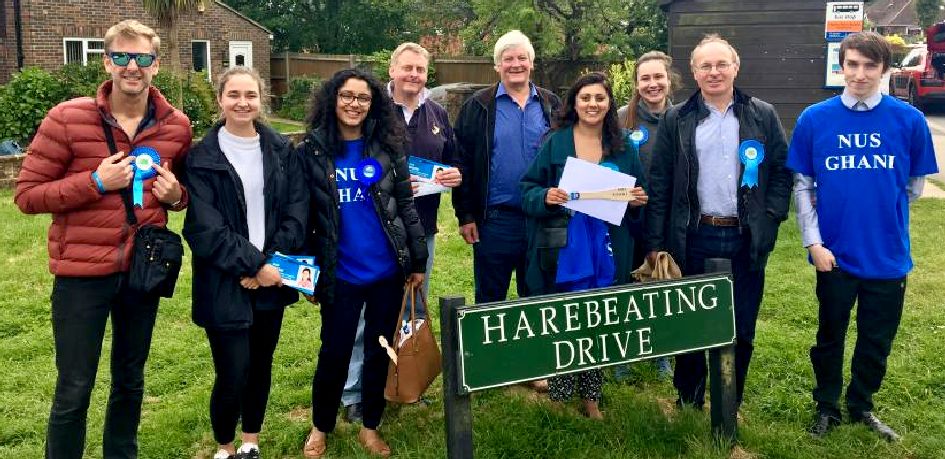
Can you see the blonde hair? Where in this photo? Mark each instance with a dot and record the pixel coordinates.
(713, 38)
(512, 39)
(241, 70)
(408, 46)
(132, 29)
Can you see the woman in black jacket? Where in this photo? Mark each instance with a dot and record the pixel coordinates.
(366, 236)
(247, 201)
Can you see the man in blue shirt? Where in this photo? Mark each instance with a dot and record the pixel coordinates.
(498, 132)
(859, 158)
(718, 189)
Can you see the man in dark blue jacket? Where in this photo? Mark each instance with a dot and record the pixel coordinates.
(719, 189)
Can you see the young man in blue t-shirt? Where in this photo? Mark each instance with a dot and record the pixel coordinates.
(859, 159)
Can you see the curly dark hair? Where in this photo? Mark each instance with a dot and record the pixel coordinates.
(386, 125)
(613, 136)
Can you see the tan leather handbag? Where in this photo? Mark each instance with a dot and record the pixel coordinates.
(418, 359)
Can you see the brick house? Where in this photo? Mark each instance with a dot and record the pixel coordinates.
(57, 32)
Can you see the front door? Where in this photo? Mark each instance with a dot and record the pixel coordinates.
(241, 54)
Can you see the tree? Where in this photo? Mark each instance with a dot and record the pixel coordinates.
(928, 11)
(167, 13)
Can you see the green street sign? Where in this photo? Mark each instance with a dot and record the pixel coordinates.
(538, 337)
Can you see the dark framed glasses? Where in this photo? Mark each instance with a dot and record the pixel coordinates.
(122, 59)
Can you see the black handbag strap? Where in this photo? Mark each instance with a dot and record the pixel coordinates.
(125, 194)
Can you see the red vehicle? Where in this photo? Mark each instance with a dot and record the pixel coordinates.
(920, 78)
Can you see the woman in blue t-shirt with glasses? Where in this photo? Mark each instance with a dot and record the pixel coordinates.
(367, 238)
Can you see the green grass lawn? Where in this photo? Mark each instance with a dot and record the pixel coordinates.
(286, 126)
(509, 423)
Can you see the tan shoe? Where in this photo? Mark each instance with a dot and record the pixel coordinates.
(373, 443)
(315, 444)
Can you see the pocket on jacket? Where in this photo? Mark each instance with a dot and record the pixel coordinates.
(551, 238)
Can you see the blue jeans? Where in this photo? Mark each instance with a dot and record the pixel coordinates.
(722, 242)
(352, 392)
(501, 250)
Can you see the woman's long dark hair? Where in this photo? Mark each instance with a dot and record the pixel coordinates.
(612, 140)
(388, 128)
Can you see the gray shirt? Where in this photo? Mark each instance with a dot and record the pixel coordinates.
(717, 152)
(245, 154)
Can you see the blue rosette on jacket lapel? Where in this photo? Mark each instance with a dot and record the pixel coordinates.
(640, 136)
(145, 159)
(751, 153)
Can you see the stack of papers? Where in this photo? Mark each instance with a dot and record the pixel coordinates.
(426, 170)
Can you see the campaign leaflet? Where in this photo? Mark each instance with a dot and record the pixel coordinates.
(298, 272)
(426, 170)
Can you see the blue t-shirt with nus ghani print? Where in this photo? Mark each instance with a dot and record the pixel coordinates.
(365, 255)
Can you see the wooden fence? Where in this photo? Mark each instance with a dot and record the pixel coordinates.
(552, 74)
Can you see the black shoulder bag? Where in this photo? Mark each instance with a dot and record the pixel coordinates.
(157, 253)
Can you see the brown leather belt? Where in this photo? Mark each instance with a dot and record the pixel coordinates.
(718, 221)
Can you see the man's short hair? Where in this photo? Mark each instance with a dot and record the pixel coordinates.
(132, 29)
(408, 46)
(713, 38)
(513, 39)
(870, 44)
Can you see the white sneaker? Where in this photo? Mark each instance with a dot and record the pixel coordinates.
(222, 454)
(248, 451)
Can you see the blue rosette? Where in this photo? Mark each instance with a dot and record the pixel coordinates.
(610, 166)
(145, 160)
(640, 136)
(752, 154)
(369, 171)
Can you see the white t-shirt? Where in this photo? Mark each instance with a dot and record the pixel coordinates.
(245, 154)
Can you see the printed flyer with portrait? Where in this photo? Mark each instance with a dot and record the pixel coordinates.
(425, 170)
(299, 272)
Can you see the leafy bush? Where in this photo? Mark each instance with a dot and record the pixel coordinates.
(200, 103)
(623, 81)
(81, 80)
(25, 100)
(295, 102)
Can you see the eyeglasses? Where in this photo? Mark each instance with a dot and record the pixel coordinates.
(721, 67)
(122, 59)
(348, 98)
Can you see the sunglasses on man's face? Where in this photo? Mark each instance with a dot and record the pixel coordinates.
(122, 59)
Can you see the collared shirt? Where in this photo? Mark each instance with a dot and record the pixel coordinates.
(717, 152)
(515, 141)
(869, 103)
(408, 113)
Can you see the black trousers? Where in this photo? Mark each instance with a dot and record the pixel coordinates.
(689, 374)
(877, 320)
(80, 308)
(381, 301)
(242, 360)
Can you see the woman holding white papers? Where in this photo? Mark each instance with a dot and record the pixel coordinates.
(573, 251)
(247, 201)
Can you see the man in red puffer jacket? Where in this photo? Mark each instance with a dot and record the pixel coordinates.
(70, 172)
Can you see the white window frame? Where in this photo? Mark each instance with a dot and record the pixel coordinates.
(85, 48)
(209, 64)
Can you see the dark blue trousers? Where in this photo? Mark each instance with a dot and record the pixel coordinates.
(501, 250)
(707, 241)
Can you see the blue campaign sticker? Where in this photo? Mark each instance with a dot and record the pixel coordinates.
(369, 171)
(752, 154)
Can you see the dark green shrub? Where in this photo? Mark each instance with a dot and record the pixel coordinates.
(82, 80)
(295, 102)
(200, 103)
(25, 100)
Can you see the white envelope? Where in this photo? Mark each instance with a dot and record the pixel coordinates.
(584, 176)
